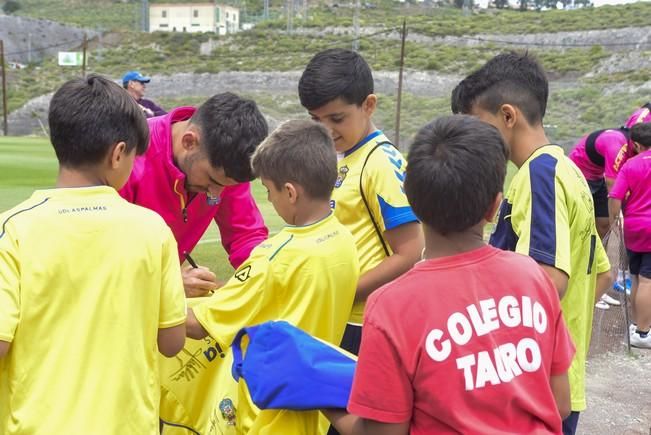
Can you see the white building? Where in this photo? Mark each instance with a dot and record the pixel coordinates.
(194, 17)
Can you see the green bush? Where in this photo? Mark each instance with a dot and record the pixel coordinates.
(10, 7)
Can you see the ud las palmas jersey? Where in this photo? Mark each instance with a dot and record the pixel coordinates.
(382, 186)
(548, 214)
(305, 275)
(86, 281)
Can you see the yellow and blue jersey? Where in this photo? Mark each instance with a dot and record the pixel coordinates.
(548, 214)
(382, 186)
(305, 275)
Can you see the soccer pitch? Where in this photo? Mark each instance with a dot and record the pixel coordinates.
(29, 163)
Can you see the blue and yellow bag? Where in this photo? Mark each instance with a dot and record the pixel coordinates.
(286, 368)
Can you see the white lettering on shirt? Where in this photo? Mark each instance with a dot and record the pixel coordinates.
(506, 361)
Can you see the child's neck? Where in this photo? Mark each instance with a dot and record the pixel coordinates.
(370, 128)
(311, 211)
(438, 245)
(529, 140)
(69, 177)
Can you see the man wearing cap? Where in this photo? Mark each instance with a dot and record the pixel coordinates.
(134, 83)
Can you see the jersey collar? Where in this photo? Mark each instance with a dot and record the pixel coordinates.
(363, 142)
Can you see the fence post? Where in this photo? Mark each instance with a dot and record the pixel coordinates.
(4, 87)
(399, 98)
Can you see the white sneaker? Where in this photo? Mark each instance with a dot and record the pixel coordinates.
(610, 300)
(602, 305)
(632, 328)
(637, 341)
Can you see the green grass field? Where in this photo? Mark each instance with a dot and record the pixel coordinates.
(28, 163)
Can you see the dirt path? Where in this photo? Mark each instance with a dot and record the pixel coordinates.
(619, 394)
(618, 383)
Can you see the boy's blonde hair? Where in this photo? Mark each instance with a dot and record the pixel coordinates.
(301, 152)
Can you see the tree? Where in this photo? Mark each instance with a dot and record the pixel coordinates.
(10, 7)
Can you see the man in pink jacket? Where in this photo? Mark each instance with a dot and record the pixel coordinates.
(197, 169)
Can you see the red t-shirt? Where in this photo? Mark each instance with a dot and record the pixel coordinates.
(464, 344)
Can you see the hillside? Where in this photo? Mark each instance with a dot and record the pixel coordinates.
(599, 60)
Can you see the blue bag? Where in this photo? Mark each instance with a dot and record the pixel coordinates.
(286, 368)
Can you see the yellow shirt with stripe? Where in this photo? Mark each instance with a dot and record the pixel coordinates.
(305, 275)
(548, 214)
(86, 281)
(382, 185)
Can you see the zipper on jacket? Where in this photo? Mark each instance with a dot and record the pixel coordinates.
(184, 208)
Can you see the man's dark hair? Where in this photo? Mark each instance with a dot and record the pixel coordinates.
(301, 152)
(508, 78)
(89, 115)
(231, 128)
(641, 133)
(456, 167)
(335, 73)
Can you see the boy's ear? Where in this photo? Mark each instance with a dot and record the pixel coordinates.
(637, 147)
(509, 114)
(492, 211)
(117, 154)
(370, 104)
(292, 192)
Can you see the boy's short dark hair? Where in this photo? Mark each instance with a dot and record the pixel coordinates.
(89, 115)
(231, 128)
(641, 133)
(508, 78)
(335, 73)
(301, 152)
(456, 167)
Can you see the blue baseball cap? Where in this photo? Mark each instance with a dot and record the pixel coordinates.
(136, 76)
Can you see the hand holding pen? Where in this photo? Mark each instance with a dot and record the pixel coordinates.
(197, 280)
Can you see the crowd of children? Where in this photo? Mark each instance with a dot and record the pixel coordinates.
(382, 255)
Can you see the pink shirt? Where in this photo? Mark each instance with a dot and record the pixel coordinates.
(464, 344)
(157, 184)
(615, 148)
(633, 188)
(643, 114)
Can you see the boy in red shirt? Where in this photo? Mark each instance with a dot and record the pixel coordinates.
(471, 340)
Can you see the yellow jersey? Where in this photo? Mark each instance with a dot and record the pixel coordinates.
(86, 281)
(197, 387)
(381, 186)
(548, 214)
(305, 275)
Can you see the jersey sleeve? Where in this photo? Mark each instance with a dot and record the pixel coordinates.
(621, 186)
(240, 223)
(612, 145)
(540, 217)
(172, 300)
(388, 401)
(240, 302)
(9, 285)
(382, 182)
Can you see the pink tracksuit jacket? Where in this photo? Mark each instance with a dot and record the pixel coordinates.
(157, 184)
